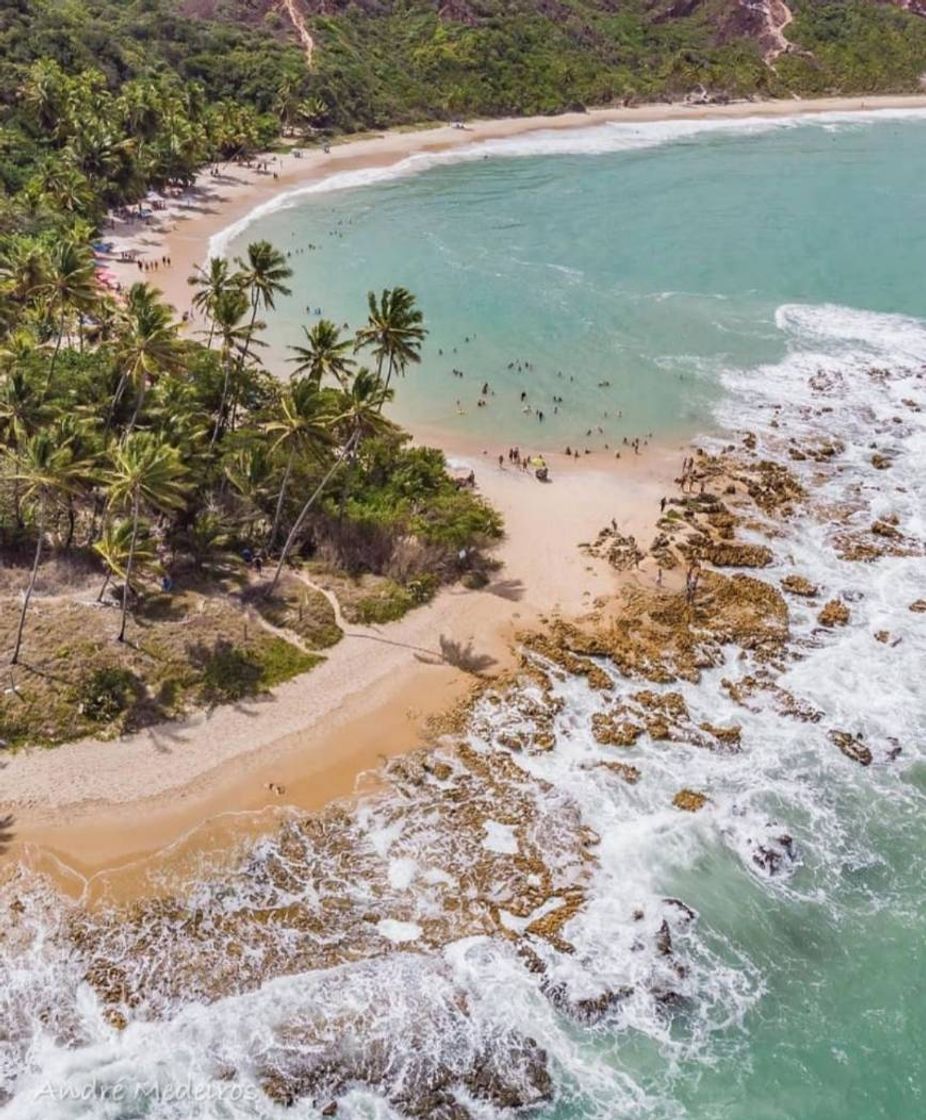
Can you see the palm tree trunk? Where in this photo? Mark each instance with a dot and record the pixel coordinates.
(139, 401)
(244, 358)
(128, 567)
(346, 450)
(389, 374)
(117, 397)
(99, 597)
(35, 569)
(72, 523)
(54, 357)
(279, 510)
(220, 416)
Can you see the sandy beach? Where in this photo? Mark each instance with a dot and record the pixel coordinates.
(98, 804)
(95, 805)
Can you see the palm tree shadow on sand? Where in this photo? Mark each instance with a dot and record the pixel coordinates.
(460, 656)
(6, 832)
(510, 589)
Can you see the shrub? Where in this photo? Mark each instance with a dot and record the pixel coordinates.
(106, 693)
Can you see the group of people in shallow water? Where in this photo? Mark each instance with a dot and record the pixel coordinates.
(522, 365)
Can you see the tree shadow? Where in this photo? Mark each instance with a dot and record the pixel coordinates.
(228, 673)
(510, 589)
(6, 832)
(464, 657)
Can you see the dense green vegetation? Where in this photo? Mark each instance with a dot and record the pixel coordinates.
(409, 60)
(189, 486)
(159, 91)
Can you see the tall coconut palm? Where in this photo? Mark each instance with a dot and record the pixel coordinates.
(43, 94)
(68, 287)
(21, 406)
(262, 275)
(302, 425)
(147, 345)
(146, 472)
(230, 312)
(251, 473)
(324, 355)
(210, 283)
(393, 332)
(23, 269)
(46, 470)
(360, 414)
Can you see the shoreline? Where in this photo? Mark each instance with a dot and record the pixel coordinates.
(183, 231)
(91, 807)
(319, 734)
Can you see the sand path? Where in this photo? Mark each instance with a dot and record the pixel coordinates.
(297, 19)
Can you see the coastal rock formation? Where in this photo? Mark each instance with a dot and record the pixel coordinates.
(512, 1075)
(852, 747)
(834, 613)
(798, 585)
(661, 636)
(724, 555)
(621, 552)
(689, 800)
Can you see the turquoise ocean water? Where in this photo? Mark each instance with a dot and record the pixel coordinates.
(720, 279)
(647, 257)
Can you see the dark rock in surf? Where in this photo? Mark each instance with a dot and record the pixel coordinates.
(851, 746)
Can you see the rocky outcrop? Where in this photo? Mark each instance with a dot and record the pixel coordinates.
(513, 1075)
(798, 585)
(723, 555)
(689, 800)
(835, 613)
(852, 747)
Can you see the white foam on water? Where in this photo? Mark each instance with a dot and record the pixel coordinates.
(500, 838)
(399, 932)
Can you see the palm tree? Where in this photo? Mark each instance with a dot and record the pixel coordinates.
(262, 275)
(46, 469)
(325, 353)
(68, 286)
(43, 94)
(63, 186)
(115, 545)
(23, 270)
(303, 423)
(228, 314)
(147, 345)
(250, 472)
(146, 471)
(21, 406)
(211, 282)
(312, 110)
(360, 415)
(393, 331)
